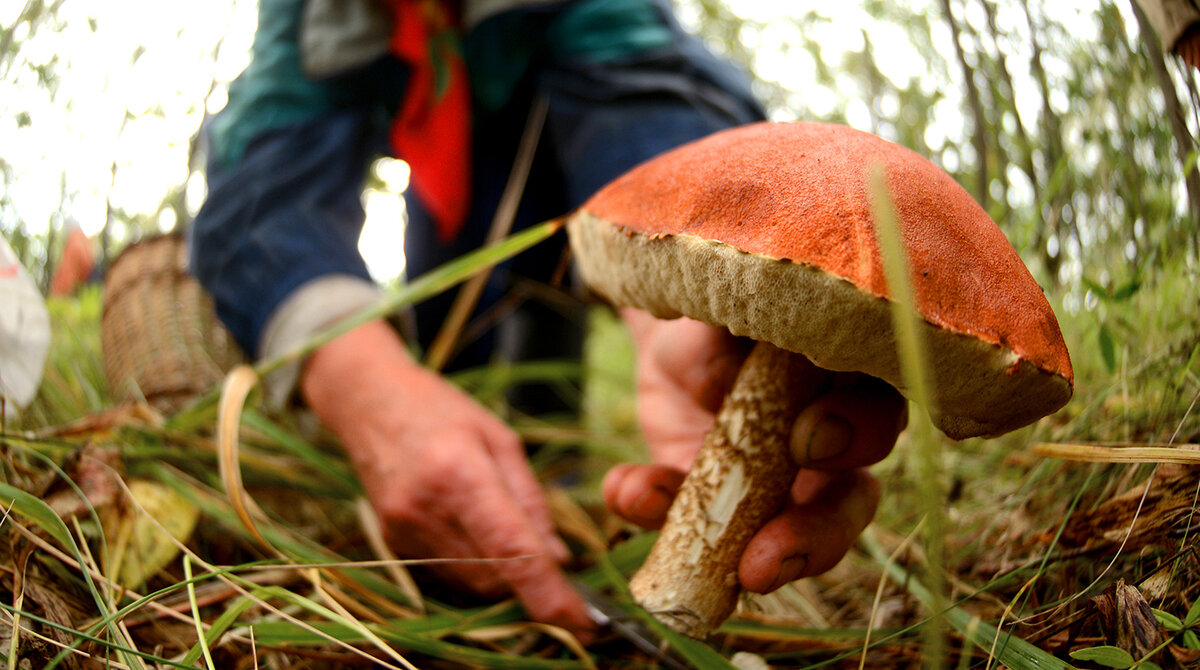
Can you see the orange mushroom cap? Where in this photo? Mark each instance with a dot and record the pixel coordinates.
(768, 230)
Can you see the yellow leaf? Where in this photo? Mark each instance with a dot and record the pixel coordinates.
(138, 545)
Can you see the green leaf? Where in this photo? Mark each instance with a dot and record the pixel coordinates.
(31, 507)
(1168, 620)
(1108, 349)
(1193, 615)
(1127, 290)
(1095, 287)
(1191, 640)
(148, 549)
(1109, 657)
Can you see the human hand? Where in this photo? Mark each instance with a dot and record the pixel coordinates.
(446, 478)
(851, 421)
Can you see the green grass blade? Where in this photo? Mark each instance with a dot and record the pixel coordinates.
(1014, 651)
(218, 628)
(130, 607)
(697, 654)
(422, 288)
(281, 632)
(32, 508)
(783, 632)
(297, 547)
(914, 367)
(84, 637)
(340, 475)
(191, 591)
(40, 513)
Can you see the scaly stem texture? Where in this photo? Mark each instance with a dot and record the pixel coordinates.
(740, 479)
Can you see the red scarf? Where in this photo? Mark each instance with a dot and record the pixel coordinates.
(432, 130)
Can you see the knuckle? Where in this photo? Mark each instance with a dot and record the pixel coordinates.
(505, 440)
(398, 507)
(449, 461)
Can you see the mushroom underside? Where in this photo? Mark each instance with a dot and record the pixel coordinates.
(980, 388)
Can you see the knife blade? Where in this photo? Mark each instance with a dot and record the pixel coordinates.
(607, 613)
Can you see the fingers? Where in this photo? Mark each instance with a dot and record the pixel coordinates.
(492, 519)
(446, 478)
(812, 533)
(453, 499)
(517, 475)
(642, 493)
(699, 359)
(849, 426)
(696, 358)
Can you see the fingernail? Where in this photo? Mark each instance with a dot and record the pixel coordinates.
(789, 570)
(559, 549)
(829, 438)
(651, 504)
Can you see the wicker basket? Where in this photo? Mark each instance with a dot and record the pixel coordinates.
(159, 333)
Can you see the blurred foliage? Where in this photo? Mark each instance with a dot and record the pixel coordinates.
(32, 93)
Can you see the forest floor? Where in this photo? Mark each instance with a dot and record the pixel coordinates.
(1046, 562)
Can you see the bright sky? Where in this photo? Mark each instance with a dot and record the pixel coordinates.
(61, 146)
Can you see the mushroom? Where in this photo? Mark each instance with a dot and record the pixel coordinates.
(767, 230)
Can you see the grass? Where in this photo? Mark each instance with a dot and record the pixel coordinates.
(1031, 547)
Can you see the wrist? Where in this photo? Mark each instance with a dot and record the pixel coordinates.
(361, 374)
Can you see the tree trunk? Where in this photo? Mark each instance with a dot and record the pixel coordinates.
(1009, 95)
(1185, 144)
(1051, 129)
(979, 133)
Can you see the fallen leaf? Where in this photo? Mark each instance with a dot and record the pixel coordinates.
(138, 545)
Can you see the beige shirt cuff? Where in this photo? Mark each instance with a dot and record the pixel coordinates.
(307, 311)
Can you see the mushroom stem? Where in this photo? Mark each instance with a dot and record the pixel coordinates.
(741, 477)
